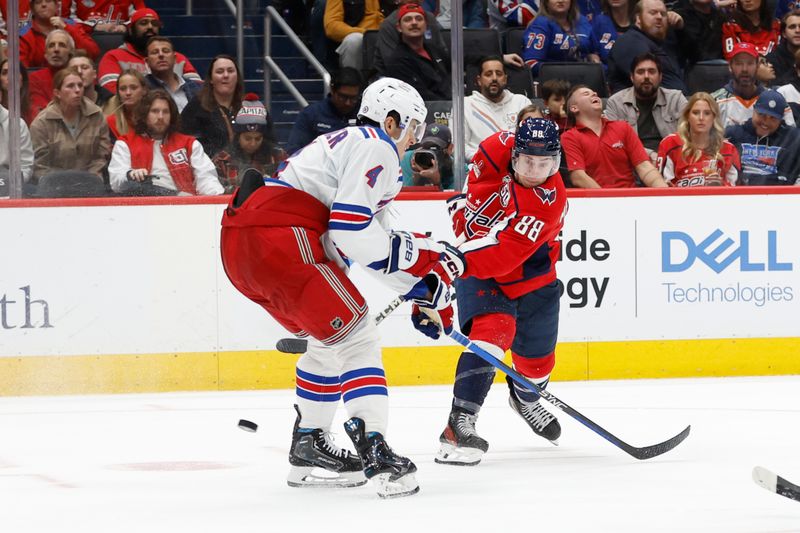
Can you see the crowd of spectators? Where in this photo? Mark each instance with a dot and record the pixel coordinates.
(140, 119)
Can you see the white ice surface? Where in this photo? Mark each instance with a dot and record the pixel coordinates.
(178, 463)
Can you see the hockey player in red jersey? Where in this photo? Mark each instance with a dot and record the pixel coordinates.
(508, 294)
(286, 244)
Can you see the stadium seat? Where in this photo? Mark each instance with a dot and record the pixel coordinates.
(512, 41)
(71, 184)
(107, 41)
(589, 74)
(478, 42)
(707, 76)
(519, 80)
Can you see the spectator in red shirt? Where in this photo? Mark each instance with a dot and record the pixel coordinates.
(24, 11)
(58, 49)
(144, 24)
(603, 153)
(44, 19)
(751, 22)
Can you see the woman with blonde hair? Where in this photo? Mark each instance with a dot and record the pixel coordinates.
(120, 110)
(698, 153)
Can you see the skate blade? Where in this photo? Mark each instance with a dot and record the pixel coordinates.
(458, 456)
(398, 488)
(314, 477)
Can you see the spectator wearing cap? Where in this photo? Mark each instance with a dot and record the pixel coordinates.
(157, 152)
(768, 148)
(336, 111)
(143, 24)
(252, 145)
(649, 34)
(345, 24)
(431, 163)
(417, 62)
(736, 99)
(492, 107)
(389, 37)
(161, 64)
(106, 15)
(44, 19)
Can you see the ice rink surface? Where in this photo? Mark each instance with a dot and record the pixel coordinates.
(178, 463)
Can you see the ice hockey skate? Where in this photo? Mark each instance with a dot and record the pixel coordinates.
(392, 474)
(460, 443)
(317, 462)
(540, 420)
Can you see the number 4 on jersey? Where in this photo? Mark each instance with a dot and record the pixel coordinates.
(372, 175)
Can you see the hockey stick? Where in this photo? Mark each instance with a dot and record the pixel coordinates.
(640, 453)
(775, 483)
(301, 345)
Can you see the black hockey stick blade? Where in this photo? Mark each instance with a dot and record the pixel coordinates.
(645, 452)
(775, 483)
(292, 345)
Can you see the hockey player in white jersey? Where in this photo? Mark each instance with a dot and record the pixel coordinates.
(286, 244)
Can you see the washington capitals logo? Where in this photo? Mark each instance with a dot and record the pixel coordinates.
(505, 136)
(547, 196)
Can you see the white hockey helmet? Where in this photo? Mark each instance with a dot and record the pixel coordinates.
(390, 94)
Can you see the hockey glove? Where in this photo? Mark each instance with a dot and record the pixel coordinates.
(412, 253)
(456, 208)
(435, 313)
(430, 322)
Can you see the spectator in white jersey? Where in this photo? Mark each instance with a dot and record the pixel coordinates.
(492, 107)
(736, 99)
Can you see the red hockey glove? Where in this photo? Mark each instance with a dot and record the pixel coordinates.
(456, 208)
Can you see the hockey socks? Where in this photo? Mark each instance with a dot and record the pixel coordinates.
(474, 378)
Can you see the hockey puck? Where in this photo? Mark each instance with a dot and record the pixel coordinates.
(246, 425)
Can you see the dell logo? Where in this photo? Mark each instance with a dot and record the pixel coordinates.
(717, 255)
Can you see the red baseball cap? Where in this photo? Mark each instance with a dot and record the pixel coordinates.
(405, 9)
(145, 12)
(744, 48)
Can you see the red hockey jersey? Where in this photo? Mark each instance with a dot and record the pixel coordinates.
(681, 173)
(765, 41)
(512, 232)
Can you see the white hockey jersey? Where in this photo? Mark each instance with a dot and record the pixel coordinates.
(356, 173)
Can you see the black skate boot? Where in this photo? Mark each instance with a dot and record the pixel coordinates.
(393, 474)
(313, 449)
(461, 444)
(540, 420)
